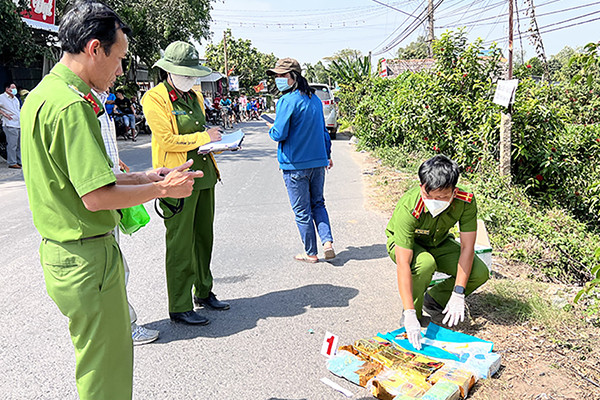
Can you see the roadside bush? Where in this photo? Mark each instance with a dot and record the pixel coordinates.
(555, 149)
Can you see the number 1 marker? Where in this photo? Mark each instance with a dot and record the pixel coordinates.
(329, 347)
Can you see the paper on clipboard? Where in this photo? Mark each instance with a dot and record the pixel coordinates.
(230, 141)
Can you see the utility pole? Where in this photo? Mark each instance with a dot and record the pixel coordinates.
(506, 118)
(225, 53)
(510, 39)
(431, 33)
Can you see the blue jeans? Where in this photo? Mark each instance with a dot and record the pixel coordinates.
(305, 190)
(128, 120)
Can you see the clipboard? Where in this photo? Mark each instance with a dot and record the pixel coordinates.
(230, 141)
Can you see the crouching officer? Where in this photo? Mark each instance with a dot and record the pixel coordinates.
(420, 244)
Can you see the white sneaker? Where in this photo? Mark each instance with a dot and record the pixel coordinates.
(141, 335)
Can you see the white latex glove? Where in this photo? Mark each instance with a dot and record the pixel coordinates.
(413, 328)
(455, 310)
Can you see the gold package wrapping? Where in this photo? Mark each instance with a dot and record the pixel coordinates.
(390, 384)
(368, 347)
(367, 372)
(353, 368)
(442, 391)
(393, 357)
(424, 365)
(449, 373)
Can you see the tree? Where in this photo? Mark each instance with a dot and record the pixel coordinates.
(246, 61)
(418, 49)
(17, 42)
(532, 67)
(157, 23)
(559, 65)
(316, 73)
(344, 55)
(349, 72)
(588, 63)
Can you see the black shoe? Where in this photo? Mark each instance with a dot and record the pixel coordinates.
(189, 317)
(433, 309)
(211, 302)
(430, 304)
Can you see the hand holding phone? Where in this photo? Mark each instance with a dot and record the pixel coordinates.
(267, 118)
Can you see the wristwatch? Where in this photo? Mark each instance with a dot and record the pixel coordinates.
(459, 289)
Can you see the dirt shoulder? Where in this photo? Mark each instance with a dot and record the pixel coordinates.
(549, 348)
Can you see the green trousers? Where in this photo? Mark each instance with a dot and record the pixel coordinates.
(443, 258)
(189, 240)
(86, 281)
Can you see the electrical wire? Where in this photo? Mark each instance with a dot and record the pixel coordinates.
(519, 32)
(479, 21)
(398, 28)
(393, 8)
(544, 30)
(408, 31)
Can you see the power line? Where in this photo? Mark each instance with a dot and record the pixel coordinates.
(399, 26)
(519, 30)
(478, 22)
(526, 35)
(410, 29)
(445, 13)
(393, 8)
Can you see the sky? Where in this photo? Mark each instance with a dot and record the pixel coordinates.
(309, 30)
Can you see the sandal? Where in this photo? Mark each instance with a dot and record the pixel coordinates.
(329, 252)
(305, 258)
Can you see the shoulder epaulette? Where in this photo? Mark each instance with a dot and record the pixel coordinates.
(88, 97)
(464, 196)
(419, 208)
(173, 95)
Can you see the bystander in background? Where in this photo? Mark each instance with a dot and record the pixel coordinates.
(304, 153)
(10, 110)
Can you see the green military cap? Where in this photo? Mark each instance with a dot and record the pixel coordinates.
(182, 58)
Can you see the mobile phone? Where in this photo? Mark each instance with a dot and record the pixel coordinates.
(267, 118)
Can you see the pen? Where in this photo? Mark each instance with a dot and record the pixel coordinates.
(208, 127)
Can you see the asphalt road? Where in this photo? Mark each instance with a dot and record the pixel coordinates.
(268, 345)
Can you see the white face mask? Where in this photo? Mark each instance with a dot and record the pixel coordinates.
(436, 207)
(182, 82)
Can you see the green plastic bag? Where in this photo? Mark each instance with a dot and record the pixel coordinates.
(133, 218)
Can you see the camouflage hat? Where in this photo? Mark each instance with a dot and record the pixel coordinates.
(182, 58)
(285, 65)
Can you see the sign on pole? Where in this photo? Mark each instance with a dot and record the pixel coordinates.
(384, 69)
(41, 10)
(234, 84)
(505, 92)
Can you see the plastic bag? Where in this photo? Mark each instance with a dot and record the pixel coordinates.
(133, 218)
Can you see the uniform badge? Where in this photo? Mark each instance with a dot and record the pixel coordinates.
(173, 95)
(419, 208)
(88, 97)
(178, 112)
(464, 196)
(421, 232)
(91, 100)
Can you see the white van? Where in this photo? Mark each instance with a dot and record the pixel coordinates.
(330, 108)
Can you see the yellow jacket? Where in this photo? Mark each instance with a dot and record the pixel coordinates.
(169, 148)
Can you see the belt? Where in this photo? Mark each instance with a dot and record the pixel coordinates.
(80, 240)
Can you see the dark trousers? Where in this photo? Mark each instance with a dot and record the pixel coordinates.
(189, 240)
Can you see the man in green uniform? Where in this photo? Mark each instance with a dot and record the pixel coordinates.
(420, 244)
(73, 194)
